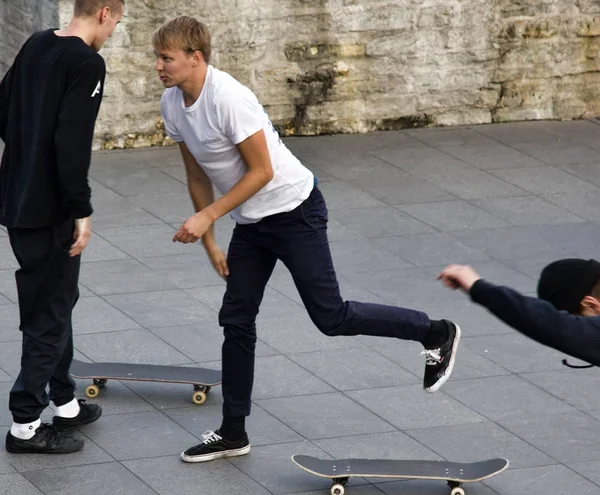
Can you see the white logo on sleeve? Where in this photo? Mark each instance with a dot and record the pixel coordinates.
(97, 90)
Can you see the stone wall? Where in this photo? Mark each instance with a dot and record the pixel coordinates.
(18, 20)
(322, 66)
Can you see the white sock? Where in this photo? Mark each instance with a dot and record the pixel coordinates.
(68, 410)
(25, 431)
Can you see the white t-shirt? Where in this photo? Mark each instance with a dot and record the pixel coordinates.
(225, 114)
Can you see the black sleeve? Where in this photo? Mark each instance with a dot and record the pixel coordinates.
(576, 336)
(5, 90)
(75, 132)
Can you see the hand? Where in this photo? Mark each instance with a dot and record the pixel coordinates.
(218, 259)
(459, 277)
(81, 235)
(193, 228)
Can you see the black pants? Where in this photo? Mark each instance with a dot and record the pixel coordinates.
(299, 239)
(47, 284)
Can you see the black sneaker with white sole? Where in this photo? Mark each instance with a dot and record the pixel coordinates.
(214, 446)
(88, 413)
(439, 362)
(47, 440)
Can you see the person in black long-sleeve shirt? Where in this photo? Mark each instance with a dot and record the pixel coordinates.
(565, 316)
(49, 101)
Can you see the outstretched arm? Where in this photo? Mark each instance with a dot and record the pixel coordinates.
(539, 320)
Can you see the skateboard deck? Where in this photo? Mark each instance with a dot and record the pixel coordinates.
(201, 378)
(455, 473)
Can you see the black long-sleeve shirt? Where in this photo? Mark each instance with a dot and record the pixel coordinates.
(577, 336)
(49, 101)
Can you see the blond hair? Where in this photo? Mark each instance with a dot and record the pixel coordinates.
(183, 33)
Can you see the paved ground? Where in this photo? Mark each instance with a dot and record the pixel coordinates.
(506, 198)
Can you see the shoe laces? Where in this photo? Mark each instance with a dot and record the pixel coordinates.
(209, 437)
(51, 432)
(433, 357)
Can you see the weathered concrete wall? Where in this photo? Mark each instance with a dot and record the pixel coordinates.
(18, 20)
(357, 65)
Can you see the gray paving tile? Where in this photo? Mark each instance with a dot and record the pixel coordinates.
(278, 376)
(118, 277)
(4, 377)
(105, 479)
(547, 479)
(527, 210)
(430, 249)
(570, 386)
(448, 216)
(515, 352)
(185, 271)
(5, 467)
(474, 442)
(9, 323)
(95, 315)
(99, 249)
(168, 475)
(147, 240)
(272, 467)
(519, 132)
(544, 180)
(397, 187)
(584, 204)
(262, 428)
(476, 184)
(324, 415)
(172, 208)
(90, 455)
(391, 445)
(341, 196)
(589, 470)
(132, 346)
(427, 487)
(380, 222)
(403, 407)
(273, 304)
(567, 437)
(588, 171)
(17, 484)
(490, 155)
(357, 490)
(505, 397)
(7, 258)
(558, 152)
(451, 136)
(298, 334)
(119, 212)
(140, 435)
(10, 358)
(354, 369)
(162, 308)
(348, 256)
(137, 179)
(422, 160)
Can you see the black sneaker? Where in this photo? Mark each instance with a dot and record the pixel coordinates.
(88, 413)
(47, 440)
(214, 446)
(439, 362)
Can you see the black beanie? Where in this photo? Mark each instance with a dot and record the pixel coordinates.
(564, 283)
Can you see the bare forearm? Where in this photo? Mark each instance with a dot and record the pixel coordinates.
(202, 196)
(248, 186)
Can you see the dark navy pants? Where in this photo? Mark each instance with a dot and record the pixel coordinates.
(299, 239)
(47, 285)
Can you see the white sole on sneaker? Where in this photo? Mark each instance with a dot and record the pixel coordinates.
(437, 385)
(215, 455)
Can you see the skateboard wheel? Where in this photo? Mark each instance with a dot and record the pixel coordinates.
(92, 391)
(199, 397)
(457, 491)
(338, 489)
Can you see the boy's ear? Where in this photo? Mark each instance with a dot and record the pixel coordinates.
(590, 306)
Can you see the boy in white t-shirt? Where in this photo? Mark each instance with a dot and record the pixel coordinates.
(227, 140)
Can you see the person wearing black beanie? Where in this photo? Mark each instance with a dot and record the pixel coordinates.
(565, 316)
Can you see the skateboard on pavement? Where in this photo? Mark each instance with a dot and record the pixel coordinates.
(455, 473)
(201, 378)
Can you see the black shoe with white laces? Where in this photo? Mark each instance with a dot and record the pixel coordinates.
(88, 413)
(47, 440)
(214, 446)
(439, 361)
